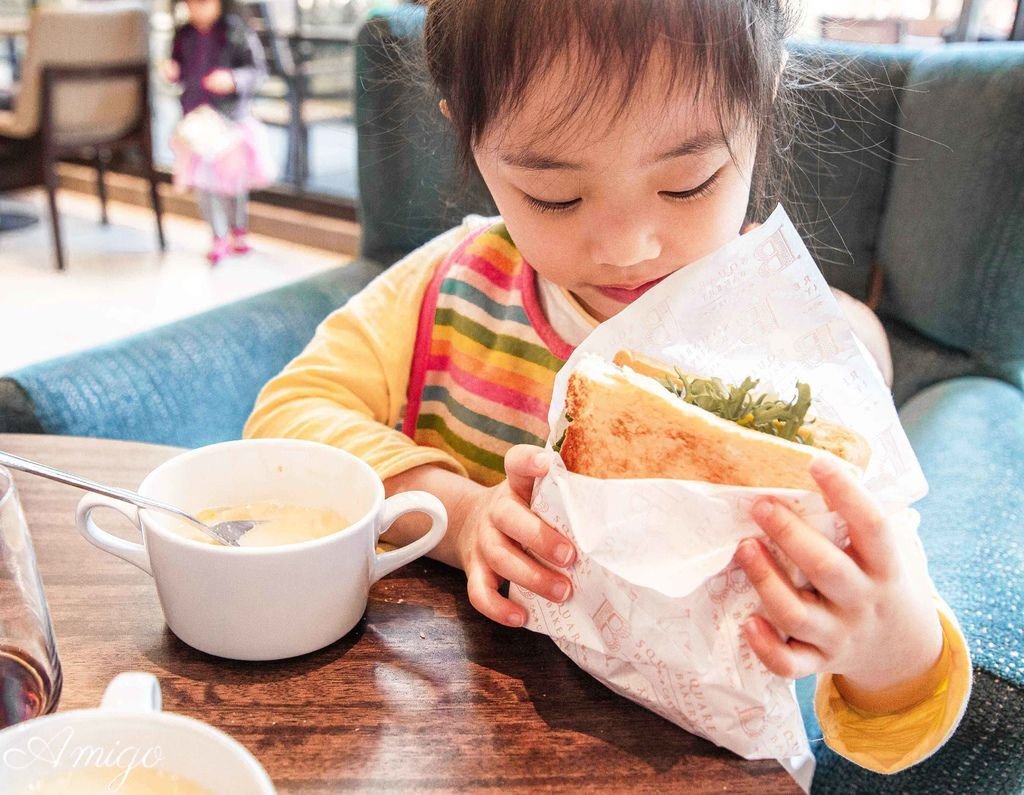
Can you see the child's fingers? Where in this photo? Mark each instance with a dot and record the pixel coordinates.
(524, 463)
(534, 534)
(828, 568)
(482, 586)
(797, 614)
(512, 564)
(870, 537)
(791, 659)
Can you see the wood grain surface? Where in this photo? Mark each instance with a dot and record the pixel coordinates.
(424, 694)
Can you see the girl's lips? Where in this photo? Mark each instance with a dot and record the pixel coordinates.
(627, 295)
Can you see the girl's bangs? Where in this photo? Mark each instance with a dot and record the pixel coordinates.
(726, 55)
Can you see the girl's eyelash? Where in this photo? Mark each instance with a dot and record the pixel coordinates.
(550, 207)
(701, 190)
(682, 195)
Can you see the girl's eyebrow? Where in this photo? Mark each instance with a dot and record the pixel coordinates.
(534, 161)
(698, 144)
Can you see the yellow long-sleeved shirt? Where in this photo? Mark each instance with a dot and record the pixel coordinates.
(348, 389)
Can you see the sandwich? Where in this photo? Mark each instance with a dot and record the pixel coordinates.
(638, 418)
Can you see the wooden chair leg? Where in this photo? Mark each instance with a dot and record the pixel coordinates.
(49, 161)
(147, 160)
(154, 198)
(51, 191)
(101, 184)
(154, 194)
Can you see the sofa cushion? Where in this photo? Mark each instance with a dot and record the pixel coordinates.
(969, 436)
(189, 383)
(952, 243)
(919, 362)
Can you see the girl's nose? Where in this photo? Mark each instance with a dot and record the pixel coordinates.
(624, 242)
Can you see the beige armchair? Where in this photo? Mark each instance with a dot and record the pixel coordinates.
(84, 89)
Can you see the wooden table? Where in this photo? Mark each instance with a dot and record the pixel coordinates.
(423, 694)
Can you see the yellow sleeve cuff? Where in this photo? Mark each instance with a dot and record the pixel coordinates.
(888, 743)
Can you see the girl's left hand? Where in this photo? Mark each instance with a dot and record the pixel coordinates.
(871, 617)
(220, 81)
(171, 71)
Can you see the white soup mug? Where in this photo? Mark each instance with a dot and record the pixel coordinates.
(271, 602)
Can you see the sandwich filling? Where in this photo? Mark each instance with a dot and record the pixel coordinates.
(740, 404)
(638, 418)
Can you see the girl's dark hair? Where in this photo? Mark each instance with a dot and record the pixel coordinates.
(483, 54)
(226, 7)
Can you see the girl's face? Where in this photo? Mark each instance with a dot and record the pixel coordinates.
(203, 14)
(607, 207)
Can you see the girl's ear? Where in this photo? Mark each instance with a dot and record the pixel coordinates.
(443, 105)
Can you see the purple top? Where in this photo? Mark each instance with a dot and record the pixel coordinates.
(202, 60)
(230, 45)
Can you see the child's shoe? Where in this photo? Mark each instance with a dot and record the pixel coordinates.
(221, 248)
(239, 245)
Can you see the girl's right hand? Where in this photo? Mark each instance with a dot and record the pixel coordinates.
(171, 71)
(500, 533)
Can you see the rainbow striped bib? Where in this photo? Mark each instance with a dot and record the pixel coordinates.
(485, 358)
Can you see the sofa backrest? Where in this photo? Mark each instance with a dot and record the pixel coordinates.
(843, 154)
(952, 242)
(189, 383)
(409, 191)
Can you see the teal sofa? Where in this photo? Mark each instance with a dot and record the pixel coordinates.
(921, 182)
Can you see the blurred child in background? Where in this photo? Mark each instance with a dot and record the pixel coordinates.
(220, 150)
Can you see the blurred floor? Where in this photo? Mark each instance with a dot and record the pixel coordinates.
(117, 282)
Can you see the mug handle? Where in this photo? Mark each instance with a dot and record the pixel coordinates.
(397, 506)
(133, 691)
(127, 550)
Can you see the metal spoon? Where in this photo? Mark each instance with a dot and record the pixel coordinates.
(226, 533)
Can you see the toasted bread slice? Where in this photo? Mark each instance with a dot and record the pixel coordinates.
(837, 439)
(626, 425)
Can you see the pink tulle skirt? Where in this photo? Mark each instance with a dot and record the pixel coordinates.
(220, 155)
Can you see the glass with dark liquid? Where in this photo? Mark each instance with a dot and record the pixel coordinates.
(30, 675)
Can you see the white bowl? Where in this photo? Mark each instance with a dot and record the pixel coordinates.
(128, 731)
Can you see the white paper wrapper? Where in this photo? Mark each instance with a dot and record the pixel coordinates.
(657, 604)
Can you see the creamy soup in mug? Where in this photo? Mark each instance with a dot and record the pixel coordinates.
(104, 781)
(280, 523)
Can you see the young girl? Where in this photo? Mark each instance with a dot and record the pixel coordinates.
(220, 149)
(621, 140)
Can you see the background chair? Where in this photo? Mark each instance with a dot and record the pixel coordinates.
(84, 89)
